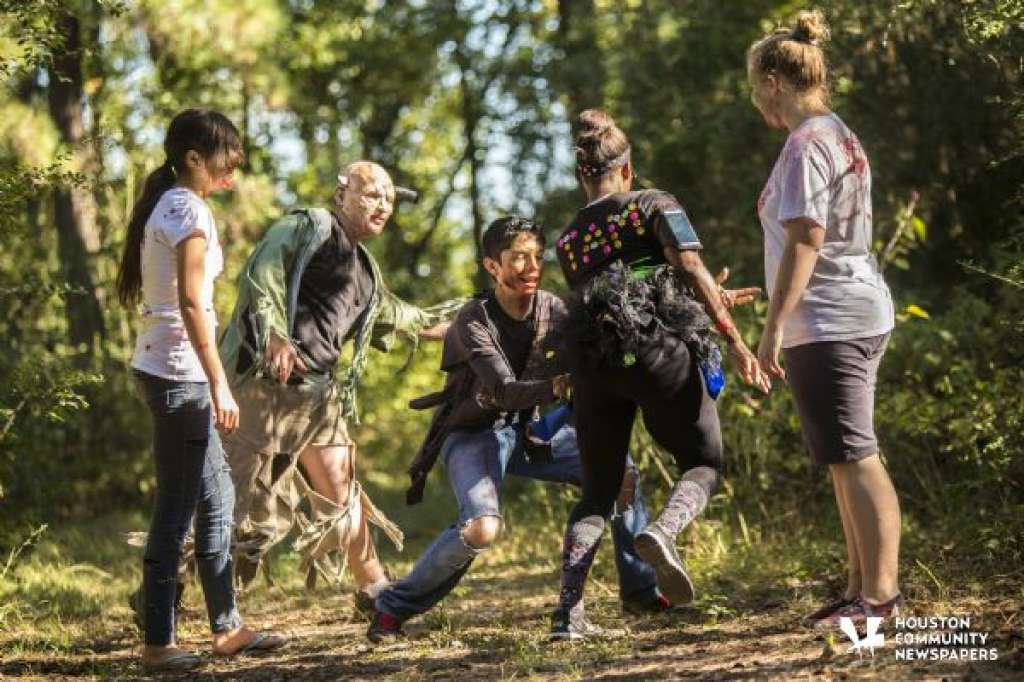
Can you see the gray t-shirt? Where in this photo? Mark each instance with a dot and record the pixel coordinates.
(823, 175)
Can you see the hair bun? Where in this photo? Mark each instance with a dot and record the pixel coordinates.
(594, 122)
(600, 145)
(811, 27)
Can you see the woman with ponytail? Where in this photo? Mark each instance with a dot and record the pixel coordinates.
(171, 257)
(640, 338)
(831, 311)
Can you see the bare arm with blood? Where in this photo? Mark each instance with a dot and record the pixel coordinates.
(707, 290)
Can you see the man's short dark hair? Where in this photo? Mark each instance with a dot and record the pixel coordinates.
(500, 234)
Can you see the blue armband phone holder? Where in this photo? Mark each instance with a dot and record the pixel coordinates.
(714, 377)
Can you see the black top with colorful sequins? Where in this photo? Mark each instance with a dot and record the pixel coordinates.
(631, 227)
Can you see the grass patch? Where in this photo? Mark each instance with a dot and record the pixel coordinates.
(63, 602)
(70, 588)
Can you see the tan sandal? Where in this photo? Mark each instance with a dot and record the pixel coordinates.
(262, 642)
(176, 662)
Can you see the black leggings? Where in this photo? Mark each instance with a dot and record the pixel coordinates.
(677, 410)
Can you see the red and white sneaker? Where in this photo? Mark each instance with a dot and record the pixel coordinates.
(885, 609)
(860, 610)
(826, 611)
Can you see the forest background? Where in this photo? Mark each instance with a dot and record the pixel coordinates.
(470, 102)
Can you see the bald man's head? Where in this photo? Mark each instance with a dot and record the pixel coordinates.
(364, 199)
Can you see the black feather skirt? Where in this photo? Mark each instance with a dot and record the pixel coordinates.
(624, 317)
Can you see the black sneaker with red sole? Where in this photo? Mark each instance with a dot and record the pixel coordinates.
(384, 628)
(658, 605)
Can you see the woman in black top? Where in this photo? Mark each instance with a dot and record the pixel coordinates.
(643, 308)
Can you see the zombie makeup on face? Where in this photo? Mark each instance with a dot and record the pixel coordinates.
(213, 173)
(367, 201)
(521, 266)
(222, 171)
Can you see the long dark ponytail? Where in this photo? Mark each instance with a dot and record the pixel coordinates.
(213, 137)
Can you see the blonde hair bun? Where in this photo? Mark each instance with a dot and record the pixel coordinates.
(594, 122)
(811, 27)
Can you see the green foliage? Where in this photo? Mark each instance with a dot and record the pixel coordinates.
(18, 184)
(471, 104)
(41, 386)
(29, 34)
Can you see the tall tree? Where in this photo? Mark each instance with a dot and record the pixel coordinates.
(581, 71)
(74, 210)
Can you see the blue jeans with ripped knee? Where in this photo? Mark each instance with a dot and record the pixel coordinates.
(193, 482)
(476, 463)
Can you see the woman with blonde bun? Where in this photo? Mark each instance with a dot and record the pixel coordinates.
(831, 312)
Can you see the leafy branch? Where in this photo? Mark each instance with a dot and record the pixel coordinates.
(34, 28)
(910, 230)
(17, 551)
(19, 183)
(1000, 278)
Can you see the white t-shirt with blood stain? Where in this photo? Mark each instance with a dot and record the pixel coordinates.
(822, 174)
(163, 348)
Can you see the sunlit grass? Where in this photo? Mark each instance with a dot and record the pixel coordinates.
(64, 602)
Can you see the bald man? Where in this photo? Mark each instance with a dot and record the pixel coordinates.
(308, 288)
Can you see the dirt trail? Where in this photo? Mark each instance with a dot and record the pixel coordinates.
(494, 627)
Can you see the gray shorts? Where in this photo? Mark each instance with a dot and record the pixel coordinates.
(833, 386)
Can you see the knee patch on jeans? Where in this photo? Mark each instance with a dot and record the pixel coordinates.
(478, 534)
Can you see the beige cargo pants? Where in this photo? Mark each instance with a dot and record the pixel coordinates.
(277, 423)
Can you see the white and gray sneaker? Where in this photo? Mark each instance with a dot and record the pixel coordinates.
(658, 548)
(567, 626)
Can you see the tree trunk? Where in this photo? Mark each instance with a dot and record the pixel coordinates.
(483, 279)
(471, 114)
(247, 133)
(581, 72)
(73, 207)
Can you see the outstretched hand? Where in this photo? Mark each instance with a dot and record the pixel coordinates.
(435, 333)
(734, 297)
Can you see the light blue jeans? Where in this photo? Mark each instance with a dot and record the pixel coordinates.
(193, 481)
(476, 463)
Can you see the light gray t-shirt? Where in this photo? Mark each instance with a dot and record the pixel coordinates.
(163, 348)
(823, 174)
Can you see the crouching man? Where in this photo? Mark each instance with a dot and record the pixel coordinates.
(502, 365)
